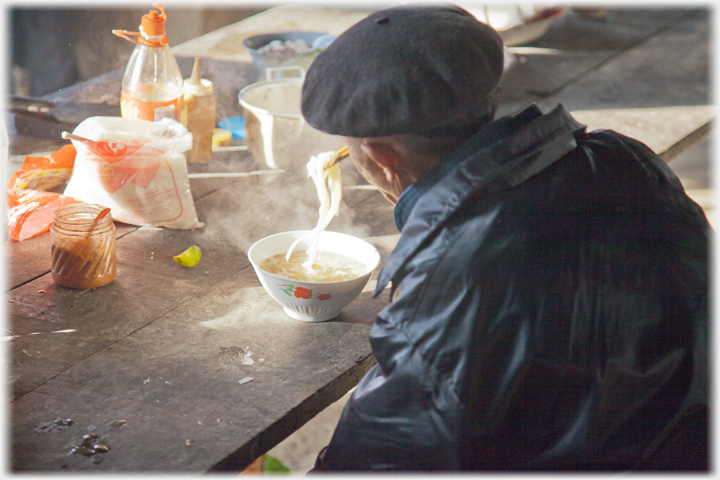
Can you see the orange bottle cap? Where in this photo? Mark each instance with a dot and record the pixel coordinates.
(153, 24)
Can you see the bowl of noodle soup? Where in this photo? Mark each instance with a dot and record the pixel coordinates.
(341, 269)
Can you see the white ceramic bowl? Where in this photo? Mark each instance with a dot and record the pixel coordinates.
(313, 301)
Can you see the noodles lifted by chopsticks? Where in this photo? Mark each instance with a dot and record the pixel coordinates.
(325, 172)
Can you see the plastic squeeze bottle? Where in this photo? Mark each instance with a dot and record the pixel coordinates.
(198, 115)
(152, 83)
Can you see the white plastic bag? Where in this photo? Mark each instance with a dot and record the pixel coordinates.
(137, 168)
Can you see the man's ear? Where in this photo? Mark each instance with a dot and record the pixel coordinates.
(384, 155)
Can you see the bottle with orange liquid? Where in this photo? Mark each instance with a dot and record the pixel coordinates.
(152, 83)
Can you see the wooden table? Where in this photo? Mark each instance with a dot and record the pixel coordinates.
(150, 363)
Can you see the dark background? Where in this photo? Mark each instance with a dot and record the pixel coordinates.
(55, 47)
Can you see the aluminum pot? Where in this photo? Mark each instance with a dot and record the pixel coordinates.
(275, 130)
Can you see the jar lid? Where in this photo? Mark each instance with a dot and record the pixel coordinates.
(153, 24)
(235, 125)
(220, 137)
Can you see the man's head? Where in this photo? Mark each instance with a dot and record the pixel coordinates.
(422, 75)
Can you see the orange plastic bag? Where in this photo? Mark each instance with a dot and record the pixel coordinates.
(31, 210)
(44, 173)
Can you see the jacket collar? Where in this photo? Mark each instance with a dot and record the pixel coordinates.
(532, 143)
(484, 138)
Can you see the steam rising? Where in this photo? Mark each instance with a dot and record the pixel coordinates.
(251, 208)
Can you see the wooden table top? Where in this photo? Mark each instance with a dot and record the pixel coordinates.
(150, 363)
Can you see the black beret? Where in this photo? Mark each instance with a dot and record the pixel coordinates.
(405, 69)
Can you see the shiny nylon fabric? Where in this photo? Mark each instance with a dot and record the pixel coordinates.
(550, 313)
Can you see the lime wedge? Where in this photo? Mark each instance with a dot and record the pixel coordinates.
(189, 258)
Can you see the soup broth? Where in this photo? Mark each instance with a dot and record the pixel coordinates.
(327, 267)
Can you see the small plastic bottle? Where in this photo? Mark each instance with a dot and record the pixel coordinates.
(83, 246)
(152, 83)
(198, 115)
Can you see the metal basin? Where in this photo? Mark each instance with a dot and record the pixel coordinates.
(276, 132)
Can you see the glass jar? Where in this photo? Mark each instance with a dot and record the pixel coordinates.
(83, 246)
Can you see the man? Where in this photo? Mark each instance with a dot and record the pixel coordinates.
(550, 285)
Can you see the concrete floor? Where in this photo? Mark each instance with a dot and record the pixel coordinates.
(696, 172)
(299, 450)
(693, 166)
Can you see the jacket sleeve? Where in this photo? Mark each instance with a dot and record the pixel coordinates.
(390, 422)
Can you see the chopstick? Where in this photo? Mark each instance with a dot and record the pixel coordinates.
(232, 174)
(360, 187)
(341, 154)
(72, 136)
(231, 148)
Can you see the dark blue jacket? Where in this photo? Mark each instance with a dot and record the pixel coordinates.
(550, 306)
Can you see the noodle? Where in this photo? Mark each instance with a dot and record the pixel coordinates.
(329, 192)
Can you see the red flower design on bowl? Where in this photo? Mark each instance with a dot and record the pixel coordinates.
(301, 292)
